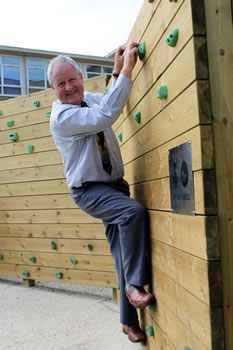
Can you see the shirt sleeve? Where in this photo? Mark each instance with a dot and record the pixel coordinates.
(71, 120)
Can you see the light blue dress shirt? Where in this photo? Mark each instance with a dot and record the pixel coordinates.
(74, 131)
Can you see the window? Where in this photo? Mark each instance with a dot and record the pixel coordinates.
(36, 73)
(10, 80)
(94, 70)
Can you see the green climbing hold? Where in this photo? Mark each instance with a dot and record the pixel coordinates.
(1, 257)
(137, 117)
(32, 259)
(53, 245)
(36, 103)
(10, 123)
(58, 275)
(90, 247)
(143, 343)
(73, 261)
(161, 92)
(25, 273)
(47, 114)
(150, 331)
(142, 50)
(30, 148)
(173, 0)
(119, 136)
(152, 307)
(187, 347)
(13, 136)
(114, 266)
(0, 112)
(118, 286)
(106, 90)
(172, 38)
(150, 0)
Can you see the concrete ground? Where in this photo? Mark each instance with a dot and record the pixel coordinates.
(57, 316)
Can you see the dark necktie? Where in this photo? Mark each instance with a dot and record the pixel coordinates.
(102, 146)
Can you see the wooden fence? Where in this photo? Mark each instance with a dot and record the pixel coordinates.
(191, 255)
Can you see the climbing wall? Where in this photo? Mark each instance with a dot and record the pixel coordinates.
(169, 106)
(43, 235)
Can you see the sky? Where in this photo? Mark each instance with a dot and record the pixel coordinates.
(85, 27)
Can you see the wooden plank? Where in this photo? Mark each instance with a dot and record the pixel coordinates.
(206, 199)
(166, 55)
(189, 328)
(156, 194)
(84, 262)
(156, 28)
(158, 340)
(26, 133)
(51, 201)
(180, 116)
(25, 104)
(187, 65)
(146, 13)
(154, 164)
(18, 148)
(96, 84)
(220, 48)
(34, 188)
(31, 160)
(190, 272)
(62, 216)
(196, 235)
(200, 319)
(181, 336)
(25, 119)
(71, 246)
(81, 231)
(38, 173)
(95, 278)
(193, 314)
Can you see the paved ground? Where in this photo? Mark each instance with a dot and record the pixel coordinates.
(56, 316)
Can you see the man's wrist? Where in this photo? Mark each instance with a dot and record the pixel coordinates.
(127, 72)
(115, 75)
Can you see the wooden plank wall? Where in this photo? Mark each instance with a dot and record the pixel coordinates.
(185, 257)
(36, 208)
(219, 14)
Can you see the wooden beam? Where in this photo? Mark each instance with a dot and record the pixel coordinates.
(220, 51)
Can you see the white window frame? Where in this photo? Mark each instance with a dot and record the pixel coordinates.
(2, 85)
(27, 66)
(96, 74)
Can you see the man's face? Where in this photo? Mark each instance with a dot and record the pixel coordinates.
(67, 84)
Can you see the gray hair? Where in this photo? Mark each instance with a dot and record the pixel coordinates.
(61, 59)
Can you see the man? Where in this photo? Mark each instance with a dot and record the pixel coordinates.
(81, 127)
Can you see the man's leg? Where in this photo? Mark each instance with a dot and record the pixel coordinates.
(128, 313)
(110, 203)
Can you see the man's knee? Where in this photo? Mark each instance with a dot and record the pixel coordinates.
(140, 209)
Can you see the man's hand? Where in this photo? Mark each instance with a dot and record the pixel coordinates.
(119, 59)
(130, 58)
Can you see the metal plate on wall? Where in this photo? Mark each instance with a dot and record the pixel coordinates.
(181, 179)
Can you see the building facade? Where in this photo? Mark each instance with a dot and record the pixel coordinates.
(24, 71)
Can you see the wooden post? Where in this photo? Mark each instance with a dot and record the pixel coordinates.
(220, 52)
(28, 283)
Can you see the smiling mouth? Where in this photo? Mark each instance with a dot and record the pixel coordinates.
(72, 93)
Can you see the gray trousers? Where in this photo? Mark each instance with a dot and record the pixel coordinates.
(125, 223)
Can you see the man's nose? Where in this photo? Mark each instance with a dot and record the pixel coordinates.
(68, 86)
